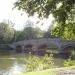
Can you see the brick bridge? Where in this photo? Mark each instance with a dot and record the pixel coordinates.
(36, 44)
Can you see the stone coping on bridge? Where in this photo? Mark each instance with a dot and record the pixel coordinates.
(38, 39)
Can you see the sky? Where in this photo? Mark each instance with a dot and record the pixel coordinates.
(6, 13)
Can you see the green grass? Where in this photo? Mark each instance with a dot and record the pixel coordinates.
(44, 72)
(53, 71)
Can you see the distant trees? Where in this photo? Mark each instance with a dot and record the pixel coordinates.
(38, 32)
(18, 35)
(28, 33)
(6, 32)
(62, 10)
(47, 34)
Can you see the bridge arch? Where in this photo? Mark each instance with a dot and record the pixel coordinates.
(18, 48)
(69, 47)
(48, 48)
(68, 50)
(28, 48)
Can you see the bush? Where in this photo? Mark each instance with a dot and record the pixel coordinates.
(34, 63)
(47, 61)
(69, 62)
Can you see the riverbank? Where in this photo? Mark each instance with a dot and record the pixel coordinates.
(54, 71)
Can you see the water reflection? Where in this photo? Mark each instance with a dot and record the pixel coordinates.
(11, 66)
(17, 68)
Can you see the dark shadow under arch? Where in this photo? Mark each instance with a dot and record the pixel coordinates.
(18, 49)
(67, 51)
(28, 48)
(43, 46)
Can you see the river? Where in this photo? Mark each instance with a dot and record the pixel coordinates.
(14, 64)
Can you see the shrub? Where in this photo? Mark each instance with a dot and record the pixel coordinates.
(69, 62)
(47, 61)
(35, 63)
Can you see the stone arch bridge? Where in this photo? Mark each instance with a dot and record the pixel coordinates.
(61, 44)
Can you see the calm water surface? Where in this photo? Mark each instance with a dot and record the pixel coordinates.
(11, 65)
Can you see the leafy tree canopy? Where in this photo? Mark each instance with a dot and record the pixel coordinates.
(6, 33)
(28, 33)
(62, 10)
(68, 33)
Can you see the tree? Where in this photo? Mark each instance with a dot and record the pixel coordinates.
(62, 10)
(38, 32)
(28, 33)
(18, 35)
(68, 33)
(47, 34)
(31, 33)
(6, 33)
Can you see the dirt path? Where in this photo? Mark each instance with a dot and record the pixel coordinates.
(66, 71)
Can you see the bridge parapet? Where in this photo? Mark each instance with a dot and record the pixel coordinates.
(68, 42)
(37, 41)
